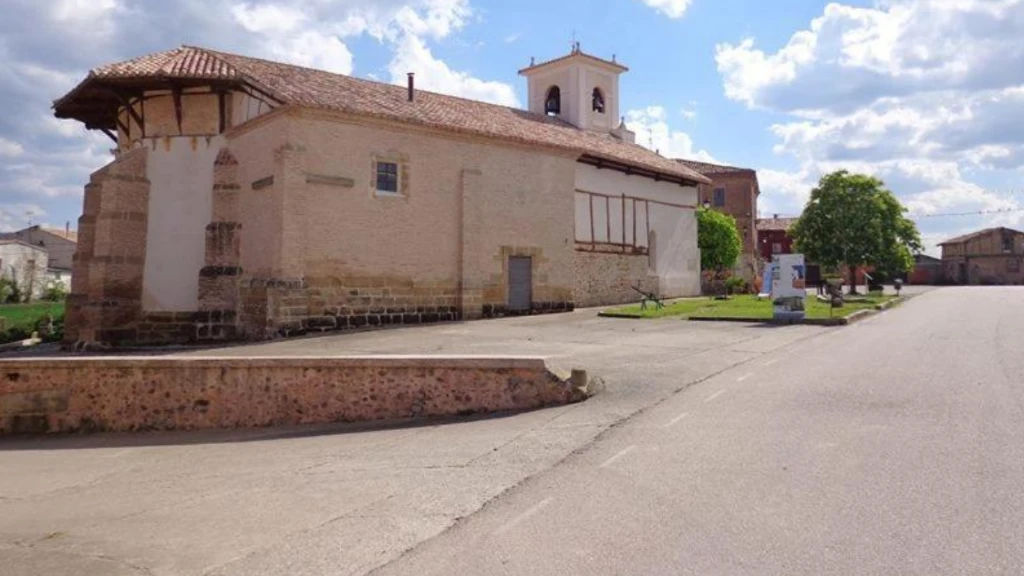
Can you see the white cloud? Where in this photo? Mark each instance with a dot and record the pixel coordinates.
(10, 149)
(15, 216)
(82, 10)
(852, 56)
(412, 55)
(670, 8)
(653, 131)
(928, 95)
(268, 17)
(511, 38)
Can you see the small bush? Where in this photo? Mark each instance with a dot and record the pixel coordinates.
(54, 291)
(10, 292)
(735, 285)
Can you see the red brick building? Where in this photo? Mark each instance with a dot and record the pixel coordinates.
(733, 191)
(773, 236)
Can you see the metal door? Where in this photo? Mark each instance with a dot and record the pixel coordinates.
(520, 283)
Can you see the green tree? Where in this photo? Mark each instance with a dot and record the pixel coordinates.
(719, 241)
(852, 220)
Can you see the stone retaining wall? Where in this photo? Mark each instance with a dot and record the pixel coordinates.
(133, 394)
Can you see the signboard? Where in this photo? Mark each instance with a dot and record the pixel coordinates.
(789, 287)
(766, 281)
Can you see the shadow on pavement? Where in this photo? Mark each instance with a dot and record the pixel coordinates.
(199, 437)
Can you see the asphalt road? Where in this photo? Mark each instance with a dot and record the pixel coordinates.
(895, 446)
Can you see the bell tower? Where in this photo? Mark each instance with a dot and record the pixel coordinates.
(578, 88)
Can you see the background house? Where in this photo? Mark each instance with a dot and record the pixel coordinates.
(989, 256)
(773, 236)
(26, 265)
(926, 270)
(733, 191)
(60, 246)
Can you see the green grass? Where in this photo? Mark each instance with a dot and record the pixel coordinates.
(25, 316)
(741, 307)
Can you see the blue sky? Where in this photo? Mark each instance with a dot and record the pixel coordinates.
(926, 94)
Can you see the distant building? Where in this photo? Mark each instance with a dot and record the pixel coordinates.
(989, 256)
(24, 264)
(926, 270)
(733, 191)
(60, 246)
(773, 236)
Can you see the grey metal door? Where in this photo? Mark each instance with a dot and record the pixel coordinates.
(520, 283)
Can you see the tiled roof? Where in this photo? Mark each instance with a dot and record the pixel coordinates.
(184, 62)
(313, 88)
(66, 234)
(708, 169)
(978, 234)
(775, 224)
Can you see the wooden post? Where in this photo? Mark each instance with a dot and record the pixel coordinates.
(593, 240)
(608, 219)
(623, 219)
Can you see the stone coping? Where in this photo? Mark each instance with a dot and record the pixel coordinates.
(310, 361)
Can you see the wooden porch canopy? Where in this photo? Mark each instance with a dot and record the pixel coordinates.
(96, 100)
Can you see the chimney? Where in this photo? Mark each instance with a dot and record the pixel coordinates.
(775, 216)
(67, 228)
(412, 86)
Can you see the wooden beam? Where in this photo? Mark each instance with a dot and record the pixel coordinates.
(109, 134)
(126, 128)
(176, 96)
(222, 107)
(127, 103)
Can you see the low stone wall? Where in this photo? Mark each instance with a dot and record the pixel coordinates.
(133, 394)
(604, 279)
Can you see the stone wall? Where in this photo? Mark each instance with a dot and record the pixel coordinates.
(605, 278)
(134, 394)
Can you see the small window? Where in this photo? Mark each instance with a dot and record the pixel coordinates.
(387, 177)
(553, 101)
(719, 197)
(1007, 243)
(598, 101)
(1013, 265)
(776, 247)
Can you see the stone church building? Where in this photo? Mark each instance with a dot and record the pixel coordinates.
(249, 199)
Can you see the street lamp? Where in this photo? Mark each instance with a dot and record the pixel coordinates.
(707, 204)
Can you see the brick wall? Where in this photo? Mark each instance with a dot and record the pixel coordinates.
(106, 286)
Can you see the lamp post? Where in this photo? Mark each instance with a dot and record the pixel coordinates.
(707, 204)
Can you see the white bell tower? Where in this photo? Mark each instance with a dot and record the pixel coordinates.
(579, 88)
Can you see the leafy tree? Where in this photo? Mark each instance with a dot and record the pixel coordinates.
(852, 220)
(719, 240)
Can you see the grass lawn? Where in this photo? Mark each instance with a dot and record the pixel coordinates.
(25, 315)
(741, 307)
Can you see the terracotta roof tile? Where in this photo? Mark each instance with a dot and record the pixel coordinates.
(775, 224)
(184, 62)
(709, 169)
(978, 234)
(325, 90)
(66, 234)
